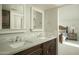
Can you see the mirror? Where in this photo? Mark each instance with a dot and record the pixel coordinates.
(37, 19)
(12, 16)
(69, 25)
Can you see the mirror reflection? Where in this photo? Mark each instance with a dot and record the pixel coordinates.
(37, 19)
(5, 19)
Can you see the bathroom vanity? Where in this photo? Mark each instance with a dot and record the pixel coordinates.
(46, 48)
(40, 46)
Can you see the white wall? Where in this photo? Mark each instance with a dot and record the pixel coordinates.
(27, 15)
(69, 16)
(51, 21)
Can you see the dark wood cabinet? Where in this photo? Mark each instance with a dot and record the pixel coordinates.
(47, 48)
(36, 52)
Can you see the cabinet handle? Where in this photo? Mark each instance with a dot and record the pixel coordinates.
(47, 51)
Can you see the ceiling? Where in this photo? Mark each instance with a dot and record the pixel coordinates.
(46, 6)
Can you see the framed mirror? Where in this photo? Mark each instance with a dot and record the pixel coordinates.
(37, 20)
(11, 18)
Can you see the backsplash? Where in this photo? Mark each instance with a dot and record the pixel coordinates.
(8, 37)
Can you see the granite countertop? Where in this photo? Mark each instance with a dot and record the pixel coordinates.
(8, 50)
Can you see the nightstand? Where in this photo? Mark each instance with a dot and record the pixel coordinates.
(72, 36)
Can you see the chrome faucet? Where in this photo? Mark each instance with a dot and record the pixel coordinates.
(18, 39)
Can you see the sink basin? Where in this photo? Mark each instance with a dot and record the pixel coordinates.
(20, 44)
(17, 44)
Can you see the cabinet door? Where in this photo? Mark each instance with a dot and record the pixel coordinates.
(16, 20)
(36, 52)
(49, 48)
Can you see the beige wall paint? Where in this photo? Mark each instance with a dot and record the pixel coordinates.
(51, 21)
(27, 16)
